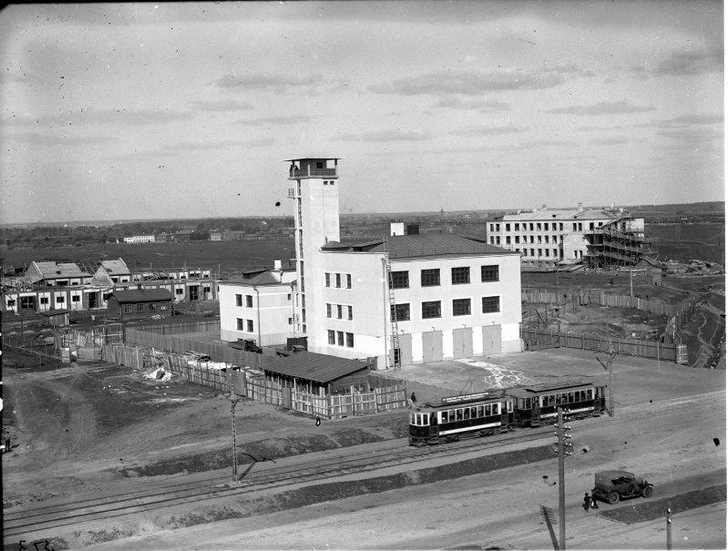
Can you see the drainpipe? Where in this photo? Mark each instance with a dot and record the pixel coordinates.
(260, 342)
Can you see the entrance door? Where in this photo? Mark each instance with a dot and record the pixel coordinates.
(492, 339)
(462, 342)
(194, 292)
(405, 349)
(432, 346)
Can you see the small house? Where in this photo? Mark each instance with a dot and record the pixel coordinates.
(140, 303)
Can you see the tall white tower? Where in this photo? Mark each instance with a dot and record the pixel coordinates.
(316, 213)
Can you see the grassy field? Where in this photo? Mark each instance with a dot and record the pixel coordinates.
(684, 242)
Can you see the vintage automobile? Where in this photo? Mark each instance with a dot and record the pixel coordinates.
(611, 486)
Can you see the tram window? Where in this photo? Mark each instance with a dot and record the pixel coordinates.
(571, 396)
(443, 417)
(509, 406)
(412, 418)
(496, 409)
(473, 413)
(487, 410)
(480, 411)
(459, 414)
(528, 403)
(467, 413)
(434, 419)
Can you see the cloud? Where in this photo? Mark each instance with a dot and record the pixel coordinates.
(690, 63)
(223, 144)
(476, 83)
(275, 120)
(110, 116)
(601, 108)
(682, 121)
(483, 130)
(18, 76)
(476, 104)
(34, 138)
(386, 136)
(221, 106)
(262, 81)
(612, 140)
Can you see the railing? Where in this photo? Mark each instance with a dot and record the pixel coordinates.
(309, 172)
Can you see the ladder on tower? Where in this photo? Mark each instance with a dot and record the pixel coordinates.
(396, 353)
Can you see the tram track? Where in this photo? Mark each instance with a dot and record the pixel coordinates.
(22, 521)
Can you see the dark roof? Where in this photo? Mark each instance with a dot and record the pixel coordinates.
(413, 246)
(319, 368)
(564, 385)
(51, 313)
(142, 295)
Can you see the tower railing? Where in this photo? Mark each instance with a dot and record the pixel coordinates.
(396, 352)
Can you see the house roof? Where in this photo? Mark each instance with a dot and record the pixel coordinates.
(142, 295)
(562, 214)
(115, 267)
(311, 366)
(54, 270)
(52, 313)
(414, 246)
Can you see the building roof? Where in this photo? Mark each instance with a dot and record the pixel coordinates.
(319, 368)
(54, 270)
(142, 295)
(563, 214)
(313, 158)
(414, 246)
(115, 267)
(52, 313)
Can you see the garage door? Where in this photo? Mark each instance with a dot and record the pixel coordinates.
(432, 346)
(492, 339)
(462, 342)
(405, 349)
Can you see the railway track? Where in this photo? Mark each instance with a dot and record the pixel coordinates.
(29, 522)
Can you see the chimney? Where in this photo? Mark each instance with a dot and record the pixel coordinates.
(581, 207)
(396, 228)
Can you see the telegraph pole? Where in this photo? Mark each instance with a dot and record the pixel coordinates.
(668, 527)
(565, 447)
(233, 403)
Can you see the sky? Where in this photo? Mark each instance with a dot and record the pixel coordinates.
(188, 110)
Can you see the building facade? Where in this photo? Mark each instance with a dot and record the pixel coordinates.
(347, 307)
(548, 236)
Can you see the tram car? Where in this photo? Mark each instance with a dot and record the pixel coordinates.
(538, 404)
(457, 417)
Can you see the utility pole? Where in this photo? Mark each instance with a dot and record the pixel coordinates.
(668, 528)
(611, 354)
(233, 403)
(565, 448)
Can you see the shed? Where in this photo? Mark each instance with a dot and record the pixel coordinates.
(318, 373)
(141, 303)
(55, 318)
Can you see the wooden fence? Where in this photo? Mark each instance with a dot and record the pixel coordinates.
(255, 386)
(181, 344)
(572, 299)
(535, 339)
(209, 326)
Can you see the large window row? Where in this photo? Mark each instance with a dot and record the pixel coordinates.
(337, 280)
(341, 338)
(544, 226)
(340, 311)
(239, 300)
(433, 308)
(431, 277)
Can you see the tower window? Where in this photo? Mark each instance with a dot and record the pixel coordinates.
(460, 275)
(491, 304)
(461, 307)
(400, 280)
(431, 309)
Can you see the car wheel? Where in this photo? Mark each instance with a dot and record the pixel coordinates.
(631, 490)
(613, 498)
(647, 491)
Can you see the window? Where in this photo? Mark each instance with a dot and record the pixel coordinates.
(516, 226)
(508, 227)
(288, 297)
(430, 278)
(491, 304)
(538, 226)
(127, 308)
(546, 252)
(238, 300)
(460, 275)
(290, 321)
(340, 338)
(43, 300)
(60, 300)
(553, 226)
(489, 272)
(339, 311)
(431, 309)
(179, 291)
(328, 310)
(350, 340)
(141, 307)
(497, 240)
(561, 226)
(11, 302)
(332, 337)
(350, 312)
(249, 326)
(348, 281)
(338, 281)
(508, 239)
(556, 252)
(249, 301)
(328, 279)
(401, 310)
(461, 307)
(518, 239)
(75, 298)
(531, 237)
(530, 226)
(400, 280)
(239, 324)
(152, 306)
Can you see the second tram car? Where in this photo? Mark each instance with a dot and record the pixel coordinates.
(537, 404)
(455, 417)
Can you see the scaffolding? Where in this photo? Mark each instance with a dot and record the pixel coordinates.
(615, 244)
